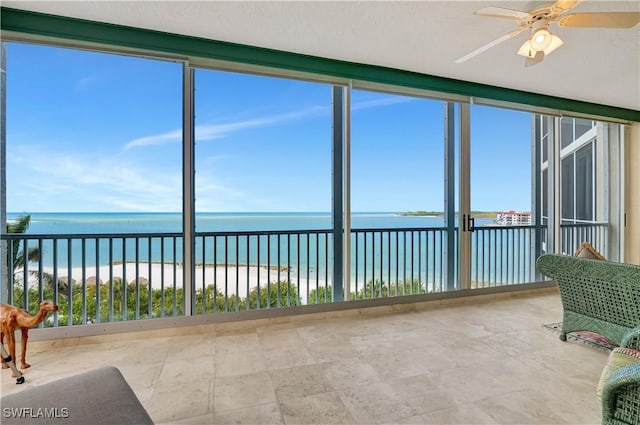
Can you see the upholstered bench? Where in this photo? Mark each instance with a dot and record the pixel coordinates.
(98, 397)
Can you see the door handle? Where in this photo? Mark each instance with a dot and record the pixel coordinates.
(472, 224)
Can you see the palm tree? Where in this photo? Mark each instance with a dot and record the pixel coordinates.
(16, 256)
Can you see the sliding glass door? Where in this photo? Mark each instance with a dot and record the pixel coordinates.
(500, 222)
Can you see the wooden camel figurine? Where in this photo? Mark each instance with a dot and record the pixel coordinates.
(13, 318)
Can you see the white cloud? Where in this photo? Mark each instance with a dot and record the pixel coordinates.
(381, 101)
(72, 181)
(157, 139)
(45, 178)
(219, 131)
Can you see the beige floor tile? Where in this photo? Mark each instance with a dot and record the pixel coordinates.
(235, 342)
(180, 369)
(141, 377)
(375, 404)
(400, 364)
(330, 346)
(243, 391)
(350, 373)
(206, 419)
(273, 339)
(468, 414)
(268, 413)
(423, 394)
(234, 362)
(520, 407)
(322, 408)
(466, 362)
(170, 402)
(287, 356)
(189, 346)
(300, 381)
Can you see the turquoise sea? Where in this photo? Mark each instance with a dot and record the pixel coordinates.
(375, 253)
(126, 222)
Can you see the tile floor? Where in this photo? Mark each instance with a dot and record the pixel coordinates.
(483, 361)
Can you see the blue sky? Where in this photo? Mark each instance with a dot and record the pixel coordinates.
(97, 132)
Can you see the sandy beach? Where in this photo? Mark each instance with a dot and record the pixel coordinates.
(230, 279)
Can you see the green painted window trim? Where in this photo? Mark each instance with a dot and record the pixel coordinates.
(59, 27)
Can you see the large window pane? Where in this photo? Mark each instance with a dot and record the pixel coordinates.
(501, 196)
(567, 189)
(263, 169)
(262, 145)
(94, 147)
(584, 183)
(566, 132)
(397, 181)
(92, 132)
(397, 153)
(500, 160)
(545, 194)
(582, 126)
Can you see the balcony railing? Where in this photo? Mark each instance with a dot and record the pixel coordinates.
(403, 261)
(251, 270)
(502, 255)
(97, 278)
(572, 235)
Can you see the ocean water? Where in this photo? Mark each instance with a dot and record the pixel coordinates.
(375, 255)
(110, 223)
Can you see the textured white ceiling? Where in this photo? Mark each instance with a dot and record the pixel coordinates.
(594, 65)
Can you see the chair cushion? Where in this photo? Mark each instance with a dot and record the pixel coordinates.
(619, 357)
(586, 250)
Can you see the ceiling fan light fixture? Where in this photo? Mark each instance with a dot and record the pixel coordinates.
(553, 44)
(540, 39)
(528, 51)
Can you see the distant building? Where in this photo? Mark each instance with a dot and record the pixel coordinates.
(514, 218)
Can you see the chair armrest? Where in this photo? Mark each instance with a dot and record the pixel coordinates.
(632, 339)
(621, 378)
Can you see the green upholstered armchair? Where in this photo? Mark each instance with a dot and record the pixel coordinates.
(604, 297)
(620, 388)
(597, 296)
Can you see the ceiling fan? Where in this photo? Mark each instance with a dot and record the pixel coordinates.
(541, 41)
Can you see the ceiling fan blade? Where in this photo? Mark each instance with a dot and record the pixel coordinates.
(490, 45)
(564, 5)
(601, 20)
(501, 12)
